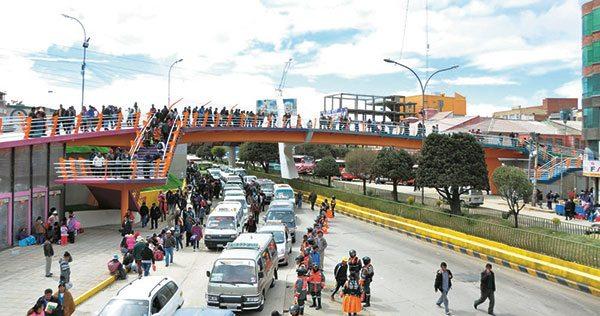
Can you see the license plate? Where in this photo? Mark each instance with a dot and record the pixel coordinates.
(221, 245)
(231, 306)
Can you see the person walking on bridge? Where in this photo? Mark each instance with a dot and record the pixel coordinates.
(443, 283)
(488, 287)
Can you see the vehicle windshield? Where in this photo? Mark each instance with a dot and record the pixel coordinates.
(125, 307)
(234, 272)
(234, 193)
(278, 236)
(267, 187)
(284, 194)
(221, 222)
(286, 217)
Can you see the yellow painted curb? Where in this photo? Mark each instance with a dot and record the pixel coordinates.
(93, 291)
(575, 275)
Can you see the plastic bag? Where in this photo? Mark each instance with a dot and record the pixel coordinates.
(154, 267)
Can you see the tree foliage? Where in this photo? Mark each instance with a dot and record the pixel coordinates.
(452, 164)
(259, 153)
(320, 151)
(396, 165)
(359, 162)
(218, 152)
(203, 151)
(514, 187)
(327, 168)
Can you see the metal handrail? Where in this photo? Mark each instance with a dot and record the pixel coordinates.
(109, 169)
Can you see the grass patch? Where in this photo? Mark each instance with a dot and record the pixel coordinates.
(173, 183)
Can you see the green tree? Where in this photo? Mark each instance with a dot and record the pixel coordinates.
(259, 153)
(320, 151)
(360, 163)
(452, 164)
(218, 152)
(203, 151)
(327, 168)
(396, 165)
(514, 187)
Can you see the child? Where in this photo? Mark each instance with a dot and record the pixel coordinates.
(64, 234)
(65, 269)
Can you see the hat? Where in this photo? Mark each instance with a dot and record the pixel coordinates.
(55, 213)
(345, 259)
(168, 231)
(116, 256)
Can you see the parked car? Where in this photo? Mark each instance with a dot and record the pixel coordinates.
(151, 295)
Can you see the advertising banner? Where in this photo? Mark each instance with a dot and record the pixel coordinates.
(267, 106)
(591, 168)
(335, 113)
(291, 106)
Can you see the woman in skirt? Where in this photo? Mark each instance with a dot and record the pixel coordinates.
(351, 303)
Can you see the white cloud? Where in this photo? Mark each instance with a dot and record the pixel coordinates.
(480, 81)
(483, 109)
(571, 89)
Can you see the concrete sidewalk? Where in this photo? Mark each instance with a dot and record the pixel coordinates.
(23, 268)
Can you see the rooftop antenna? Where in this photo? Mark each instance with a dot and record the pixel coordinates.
(283, 80)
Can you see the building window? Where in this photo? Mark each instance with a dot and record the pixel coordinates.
(591, 118)
(591, 22)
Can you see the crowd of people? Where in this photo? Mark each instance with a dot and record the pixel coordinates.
(582, 199)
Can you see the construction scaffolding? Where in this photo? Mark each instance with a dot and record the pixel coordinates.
(392, 108)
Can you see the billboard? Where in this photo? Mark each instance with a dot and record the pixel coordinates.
(290, 106)
(267, 106)
(591, 168)
(340, 112)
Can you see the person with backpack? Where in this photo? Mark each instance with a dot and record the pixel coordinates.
(144, 213)
(196, 234)
(177, 229)
(138, 248)
(366, 277)
(65, 269)
(316, 283)
(443, 283)
(116, 268)
(487, 287)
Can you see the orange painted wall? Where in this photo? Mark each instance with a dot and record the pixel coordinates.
(456, 104)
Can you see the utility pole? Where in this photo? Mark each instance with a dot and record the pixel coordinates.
(86, 44)
(423, 88)
(534, 137)
(169, 82)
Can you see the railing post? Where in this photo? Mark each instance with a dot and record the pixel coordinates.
(62, 167)
(0, 125)
(217, 119)
(205, 121)
(136, 120)
(73, 168)
(134, 164)
(54, 125)
(194, 119)
(255, 123)
(77, 124)
(105, 169)
(229, 119)
(99, 124)
(119, 121)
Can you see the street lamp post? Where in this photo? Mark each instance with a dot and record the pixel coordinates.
(169, 83)
(423, 89)
(86, 44)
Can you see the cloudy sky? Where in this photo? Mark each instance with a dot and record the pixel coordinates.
(510, 52)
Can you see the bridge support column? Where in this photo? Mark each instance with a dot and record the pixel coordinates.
(124, 202)
(286, 161)
(231, 157)
(492, 164)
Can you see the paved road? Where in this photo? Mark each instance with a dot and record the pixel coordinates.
(403, 285)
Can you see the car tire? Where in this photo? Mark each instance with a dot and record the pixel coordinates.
(262, 305)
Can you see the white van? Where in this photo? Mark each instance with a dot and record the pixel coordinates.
(284, 192)
(473, 198)
(151, 295)
(242, 200)
(223, 225)
(243, 273)
(282, 237)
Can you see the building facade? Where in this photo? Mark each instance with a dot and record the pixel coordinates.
(591, 85)
(456, 104)
(550, 108)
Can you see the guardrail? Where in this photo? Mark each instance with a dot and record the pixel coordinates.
(79, 169)
(23, 127)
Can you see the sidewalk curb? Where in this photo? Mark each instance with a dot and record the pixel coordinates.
(93, 291)
(540, 274)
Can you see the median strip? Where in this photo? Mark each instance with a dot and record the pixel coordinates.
(95, 290)
(577, 276)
